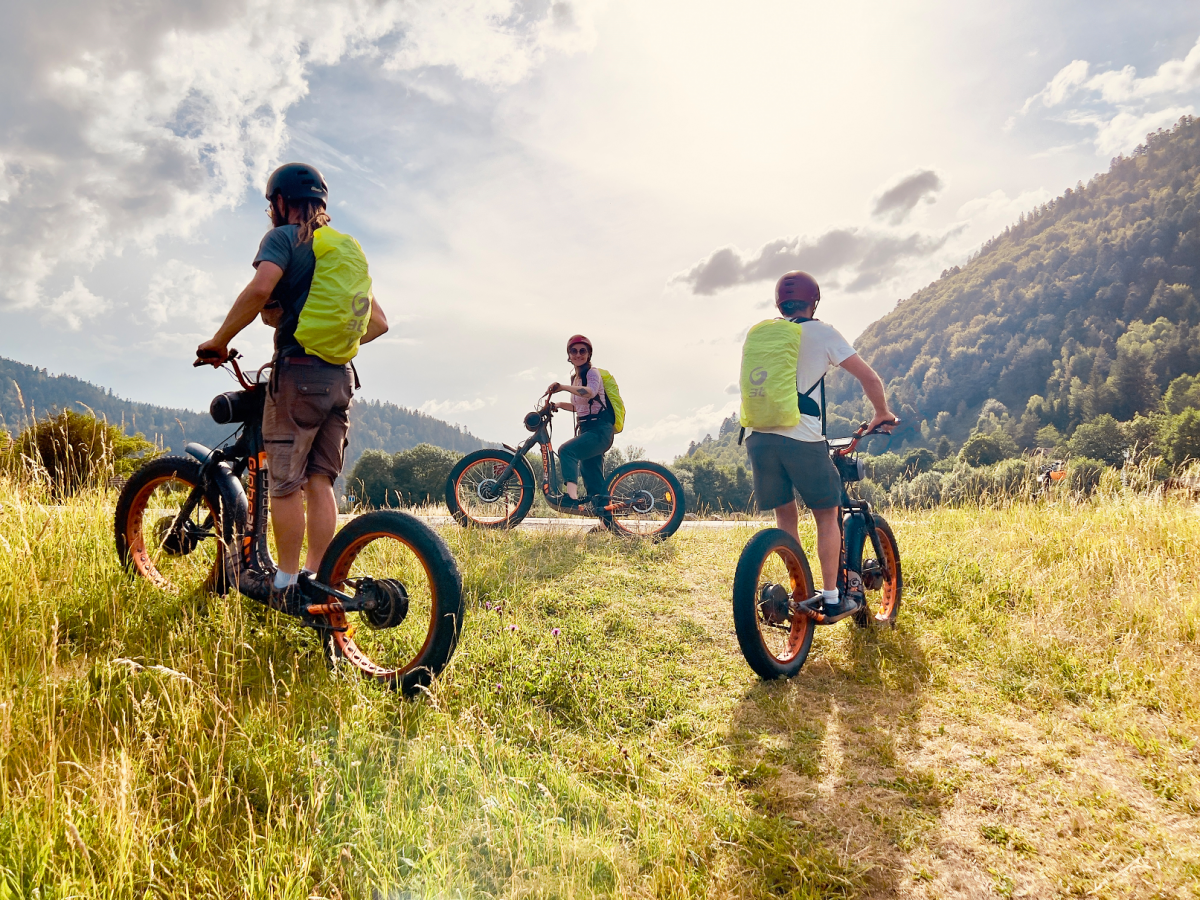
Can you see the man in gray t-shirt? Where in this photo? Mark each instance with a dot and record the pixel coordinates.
(305, 420)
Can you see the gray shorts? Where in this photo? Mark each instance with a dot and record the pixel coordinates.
(783, 467)
(306, 423)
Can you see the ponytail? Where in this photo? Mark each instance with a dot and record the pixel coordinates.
(312, 217)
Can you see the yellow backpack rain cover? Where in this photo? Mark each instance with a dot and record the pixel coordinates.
(614, 399)
(338, 308)
(768, 379)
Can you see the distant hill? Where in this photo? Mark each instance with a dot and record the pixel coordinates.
(26, 392)
(1088, 305)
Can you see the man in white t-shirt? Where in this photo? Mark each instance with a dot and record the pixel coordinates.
(795, 459)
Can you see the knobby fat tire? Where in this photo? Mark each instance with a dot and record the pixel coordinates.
(522, 472)
(186, 470)
(613, 523)
(886, 537)
(745, 604)
(446, 589)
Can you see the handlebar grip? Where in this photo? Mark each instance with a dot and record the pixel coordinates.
(212, 358)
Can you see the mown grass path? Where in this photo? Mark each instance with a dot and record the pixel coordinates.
(1029, 729)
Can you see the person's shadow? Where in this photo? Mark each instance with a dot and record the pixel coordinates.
(833, 808)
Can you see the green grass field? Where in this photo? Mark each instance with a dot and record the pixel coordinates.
(1029, 729)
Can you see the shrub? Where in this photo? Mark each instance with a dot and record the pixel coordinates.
(1102, 439)
(370, 481)
(419, 474)
(1083, 474)
(918, 461)
(987, 449)
(884, 469)
(1180, 437)
(966, 484)
(1183, 393)
(74, 450)
(719, 487)
(1014, 478)
(922, 492)
(870, 491)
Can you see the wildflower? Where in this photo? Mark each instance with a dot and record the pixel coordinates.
(512, 627)
(556, 632)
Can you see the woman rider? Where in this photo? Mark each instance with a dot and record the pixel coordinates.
(593, 425)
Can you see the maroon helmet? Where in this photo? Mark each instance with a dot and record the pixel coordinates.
(796, 289)
(579, 339)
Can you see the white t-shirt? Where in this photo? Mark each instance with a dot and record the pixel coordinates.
(821, 349)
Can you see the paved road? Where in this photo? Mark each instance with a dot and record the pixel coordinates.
(581, 523)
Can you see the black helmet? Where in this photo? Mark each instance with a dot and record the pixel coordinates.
(297, 181)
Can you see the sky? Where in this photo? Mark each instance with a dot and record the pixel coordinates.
(639, 171)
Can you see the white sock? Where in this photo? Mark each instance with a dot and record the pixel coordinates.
(284, 579)
(830, 595)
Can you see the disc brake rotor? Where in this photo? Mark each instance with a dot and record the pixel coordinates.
(488, 490)
(642, 502)
(385, 601)
(179, 542)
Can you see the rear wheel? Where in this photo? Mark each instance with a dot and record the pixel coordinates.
(772, 577)
(883, 575)
(646, 501)
(407, 569)
(172, 552)
(474, 495)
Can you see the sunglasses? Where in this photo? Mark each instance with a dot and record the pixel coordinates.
(578, 351)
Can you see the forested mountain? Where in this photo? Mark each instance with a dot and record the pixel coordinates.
(26, 392)
(1086, 306)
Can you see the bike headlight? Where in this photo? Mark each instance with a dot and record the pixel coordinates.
(533, 421)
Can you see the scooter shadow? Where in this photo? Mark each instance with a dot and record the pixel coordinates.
(821, 756)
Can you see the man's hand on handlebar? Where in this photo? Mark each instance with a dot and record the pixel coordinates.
(210, 353)
(882, 423)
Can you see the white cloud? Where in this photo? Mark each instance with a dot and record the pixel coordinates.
(443, 408)
(1062, 85)
(676, 429)
(1119, 106)
(179, 289)
(151, 118)
(74, 305)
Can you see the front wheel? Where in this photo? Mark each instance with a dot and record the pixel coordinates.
(475, 496)
(772, 577)
(410, 633)
(646, 501)
(883, 575)
(173, 551)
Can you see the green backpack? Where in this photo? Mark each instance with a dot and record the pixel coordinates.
(768, 378)
(338, 308)
(614, 399)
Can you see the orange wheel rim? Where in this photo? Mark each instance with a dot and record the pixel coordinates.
(800, 624)
(888, 593)
(669, 500)
(459, 496)
(344, 639)
(135, 538)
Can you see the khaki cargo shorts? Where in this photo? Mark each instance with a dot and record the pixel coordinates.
(306, 422)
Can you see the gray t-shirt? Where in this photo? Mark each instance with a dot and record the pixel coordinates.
(298, 263)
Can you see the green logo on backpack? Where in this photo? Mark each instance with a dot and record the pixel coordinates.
(338, 308)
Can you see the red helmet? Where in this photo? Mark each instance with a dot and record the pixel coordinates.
(797, 287)
(579, 339)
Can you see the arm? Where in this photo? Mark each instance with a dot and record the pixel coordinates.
(250, 303)
(377, 325)
(872, 386)
(579, 390)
